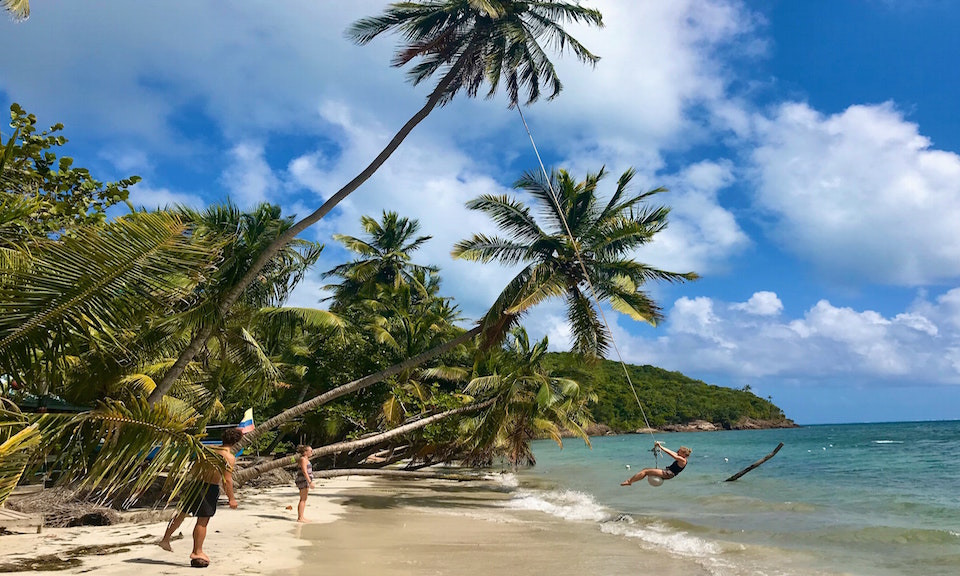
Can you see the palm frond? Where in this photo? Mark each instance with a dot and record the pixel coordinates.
(123, 447)
(18, 9)
(482, 248)
(15, 452)
(97, 280)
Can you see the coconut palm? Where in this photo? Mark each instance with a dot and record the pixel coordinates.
(383, 257)
(530, 403)
(593, 256)
(471, 42)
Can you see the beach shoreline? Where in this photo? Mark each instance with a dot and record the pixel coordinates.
(260, 537)
(398, 527)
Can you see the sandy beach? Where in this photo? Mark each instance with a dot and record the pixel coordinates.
(259, 537)
(359, 526)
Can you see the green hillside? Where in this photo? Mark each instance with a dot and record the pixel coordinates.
(668, 397)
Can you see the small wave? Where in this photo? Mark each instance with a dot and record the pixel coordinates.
(678, 542)
(888, 441)
(504, 479)
(888, 535)
(566, 504)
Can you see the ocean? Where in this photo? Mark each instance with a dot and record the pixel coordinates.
(857, 499)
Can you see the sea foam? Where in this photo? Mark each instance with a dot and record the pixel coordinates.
(662, 536)
(566, 504)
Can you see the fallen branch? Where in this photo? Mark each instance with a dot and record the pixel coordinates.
(755, 464)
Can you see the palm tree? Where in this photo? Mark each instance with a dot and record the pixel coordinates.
(530, 403)
(596, 258)
(472, 42)
(383, 257)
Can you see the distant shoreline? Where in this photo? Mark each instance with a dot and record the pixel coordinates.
(696, 426)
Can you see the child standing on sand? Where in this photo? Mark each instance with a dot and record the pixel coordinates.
(203, 505)
(304, 478)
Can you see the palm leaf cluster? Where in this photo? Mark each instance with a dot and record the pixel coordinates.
(85, 290)
(383, 258)
(595, 253)
(18, 9)
(121, 448)
(482, 41)
(529, 403)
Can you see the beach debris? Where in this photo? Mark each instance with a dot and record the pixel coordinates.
(64, 508)
(755, 464)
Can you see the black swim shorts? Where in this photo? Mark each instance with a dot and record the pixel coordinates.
(204, 503)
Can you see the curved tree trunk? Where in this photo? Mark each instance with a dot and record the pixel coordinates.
(247, 474)
(171, 376)
(359, 384)
(402, 474)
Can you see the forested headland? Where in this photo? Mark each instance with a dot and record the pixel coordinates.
(671, 400)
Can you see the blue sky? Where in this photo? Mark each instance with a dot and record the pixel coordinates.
(811, 149)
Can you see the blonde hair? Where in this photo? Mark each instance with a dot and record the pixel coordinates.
(684, 451)
(302, 449)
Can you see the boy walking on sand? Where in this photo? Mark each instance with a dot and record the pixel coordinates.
(203, 505)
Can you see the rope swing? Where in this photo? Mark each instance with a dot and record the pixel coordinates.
(654, 481)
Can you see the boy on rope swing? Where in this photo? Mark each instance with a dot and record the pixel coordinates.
(671, 471)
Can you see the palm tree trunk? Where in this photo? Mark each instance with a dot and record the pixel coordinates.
(165, 383)
(360, 384)
(402, 474)
(247, 474)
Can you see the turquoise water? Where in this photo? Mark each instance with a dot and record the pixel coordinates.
(864, 499)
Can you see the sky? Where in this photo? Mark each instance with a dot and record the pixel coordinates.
(811, 151)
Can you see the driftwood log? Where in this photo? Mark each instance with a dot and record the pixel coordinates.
(755, 464)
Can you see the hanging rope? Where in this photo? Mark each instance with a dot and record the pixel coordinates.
(593, 292)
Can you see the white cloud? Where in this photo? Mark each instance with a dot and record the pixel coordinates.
(658, 61)
(701, 234)
(761, 304)
(248, 177)
(144, 196)
(860, 194)
(828, 343)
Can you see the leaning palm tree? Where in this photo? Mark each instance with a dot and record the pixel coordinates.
(472, 43)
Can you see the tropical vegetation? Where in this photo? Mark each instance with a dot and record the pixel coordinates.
(148, 326)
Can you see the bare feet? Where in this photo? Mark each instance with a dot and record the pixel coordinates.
(626, 483)
(199, 560)
(165, 543)
(303, 520)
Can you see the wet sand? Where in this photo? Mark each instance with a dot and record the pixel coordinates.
(421, 527)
